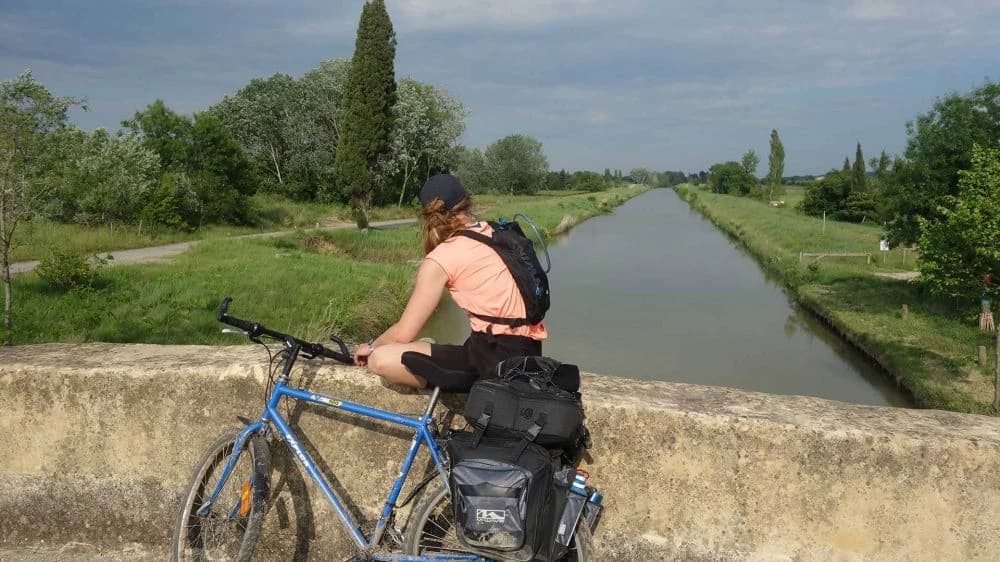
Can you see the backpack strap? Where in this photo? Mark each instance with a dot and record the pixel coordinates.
(532, 433)
(482, 423)
(482, 238)
(477, 237)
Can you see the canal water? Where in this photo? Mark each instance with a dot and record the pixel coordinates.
(655, 292)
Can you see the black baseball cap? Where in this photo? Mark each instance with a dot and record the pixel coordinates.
(445, 187)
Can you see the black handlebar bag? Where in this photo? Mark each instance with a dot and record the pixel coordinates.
(535, 398)
(502, 495)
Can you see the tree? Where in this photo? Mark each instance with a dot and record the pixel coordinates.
(730, 177)
(643, 176)
(163, 131)
(109, 178)
(963, 245)
(205, 157)
(516, 164)
(369, 97)
(882, 167)
(607, 176)
(775, 166)
(847, 165)
(30, 158)
(428, 121)
(221, 175)
(859, 181)
(828, 194)
(939, 145)
(589, 181)
(750, 161)
(259, 117)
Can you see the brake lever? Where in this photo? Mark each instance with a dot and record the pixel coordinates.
(235, 332)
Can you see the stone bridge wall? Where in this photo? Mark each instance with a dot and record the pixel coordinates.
(97, 442)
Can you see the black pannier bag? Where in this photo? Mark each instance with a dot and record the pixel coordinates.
(533, 398)
(503, 496)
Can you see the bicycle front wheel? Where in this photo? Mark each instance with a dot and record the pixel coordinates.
(431, 528)
(230, 529)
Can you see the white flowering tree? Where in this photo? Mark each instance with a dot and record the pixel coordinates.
(428, 122)
(30, 161)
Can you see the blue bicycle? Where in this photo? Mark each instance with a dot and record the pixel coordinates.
(224, 508)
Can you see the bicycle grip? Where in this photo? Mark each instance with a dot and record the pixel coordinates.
(224, 309)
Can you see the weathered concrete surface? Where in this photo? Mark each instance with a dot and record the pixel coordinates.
(97, 442)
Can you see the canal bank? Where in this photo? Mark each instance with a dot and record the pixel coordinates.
(654, 291)
(928, 351)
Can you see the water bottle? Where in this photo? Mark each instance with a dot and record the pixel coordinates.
(592, 509)
(575, 500)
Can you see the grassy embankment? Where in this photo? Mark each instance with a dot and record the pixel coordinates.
(931, 352)
(309, 283)
(276, 214)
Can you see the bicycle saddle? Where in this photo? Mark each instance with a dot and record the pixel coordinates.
(448, 380)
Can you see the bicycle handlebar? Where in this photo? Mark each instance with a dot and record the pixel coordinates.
(254, 330)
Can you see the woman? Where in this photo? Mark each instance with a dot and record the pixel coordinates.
(478, 281)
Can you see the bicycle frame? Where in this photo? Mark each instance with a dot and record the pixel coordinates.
(423, 434)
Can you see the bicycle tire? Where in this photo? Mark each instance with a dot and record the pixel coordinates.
(241, 532)
(435, 498)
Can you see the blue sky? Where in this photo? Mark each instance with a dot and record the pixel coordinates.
(623, 83)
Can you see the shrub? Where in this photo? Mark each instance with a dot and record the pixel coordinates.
(963, 247)
(65, 270)
(731, 178)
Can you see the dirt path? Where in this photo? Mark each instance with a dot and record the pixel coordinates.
(153, 254)
(899, 275)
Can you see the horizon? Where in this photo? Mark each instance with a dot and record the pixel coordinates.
(600, 87)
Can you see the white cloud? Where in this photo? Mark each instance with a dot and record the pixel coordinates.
(876, 10)
(459, 14)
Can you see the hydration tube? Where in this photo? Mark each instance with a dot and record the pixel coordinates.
(545, 248)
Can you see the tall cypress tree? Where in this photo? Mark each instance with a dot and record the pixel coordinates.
(775, 165)
(858, 177)
(369, 95)
(847, 164)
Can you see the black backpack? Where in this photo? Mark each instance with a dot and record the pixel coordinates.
(518, 254)
(532, 398)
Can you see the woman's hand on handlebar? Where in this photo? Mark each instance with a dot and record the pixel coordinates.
(361, 354)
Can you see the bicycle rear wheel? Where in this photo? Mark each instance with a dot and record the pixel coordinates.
(431, 528)
(231, 528)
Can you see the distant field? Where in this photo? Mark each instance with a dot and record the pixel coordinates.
(311, 283)
(931, 352)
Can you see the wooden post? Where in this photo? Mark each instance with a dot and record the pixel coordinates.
(824, 222)
(906, 311)
(982, 355)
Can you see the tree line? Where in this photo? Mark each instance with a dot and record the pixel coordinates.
(941, 194)
(740, 178)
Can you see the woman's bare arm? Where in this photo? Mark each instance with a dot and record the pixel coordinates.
(426, 295)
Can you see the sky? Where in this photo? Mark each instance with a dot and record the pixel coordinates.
(619, 84)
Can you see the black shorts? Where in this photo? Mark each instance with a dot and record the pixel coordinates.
(481, 352)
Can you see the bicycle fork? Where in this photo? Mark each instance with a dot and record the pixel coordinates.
(241, 441)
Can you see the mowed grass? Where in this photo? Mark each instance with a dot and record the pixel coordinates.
(276, 213)
(931, 352)
(310, 283)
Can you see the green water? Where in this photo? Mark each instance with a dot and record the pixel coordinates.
(656, 292)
